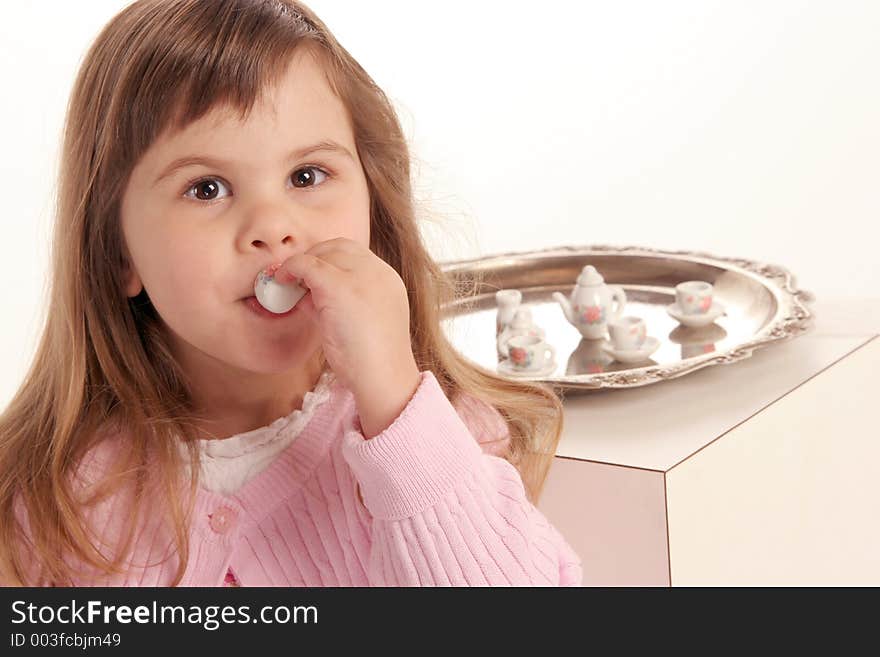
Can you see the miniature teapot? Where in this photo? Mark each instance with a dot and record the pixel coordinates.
(590, 306)
(521, 324)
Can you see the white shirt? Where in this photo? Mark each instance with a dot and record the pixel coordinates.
(229, 463)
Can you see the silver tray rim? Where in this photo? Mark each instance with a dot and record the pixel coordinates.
(792, 317)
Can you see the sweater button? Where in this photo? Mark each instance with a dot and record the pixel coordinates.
(222, 519)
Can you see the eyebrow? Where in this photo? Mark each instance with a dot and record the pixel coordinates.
(326, 145)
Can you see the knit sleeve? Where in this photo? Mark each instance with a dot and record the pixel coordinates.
(446, 510)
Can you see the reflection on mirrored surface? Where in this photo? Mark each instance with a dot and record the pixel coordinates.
(755, 311)
(474, 334)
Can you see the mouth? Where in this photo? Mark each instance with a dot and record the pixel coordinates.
(254, 306)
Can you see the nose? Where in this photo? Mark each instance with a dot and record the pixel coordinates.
(272, 229)
(287, 242)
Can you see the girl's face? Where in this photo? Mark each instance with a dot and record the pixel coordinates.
(198, 232)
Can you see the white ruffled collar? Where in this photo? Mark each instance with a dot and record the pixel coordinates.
(285, 428)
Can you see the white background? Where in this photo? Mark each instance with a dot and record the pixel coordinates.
(744, 129)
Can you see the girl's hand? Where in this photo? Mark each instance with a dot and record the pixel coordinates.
(360, 306)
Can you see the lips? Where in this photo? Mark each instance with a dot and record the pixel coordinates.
(254, 306)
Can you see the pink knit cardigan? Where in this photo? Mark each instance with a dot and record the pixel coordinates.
(425, 503)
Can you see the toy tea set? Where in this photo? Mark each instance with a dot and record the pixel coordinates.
(596, 311)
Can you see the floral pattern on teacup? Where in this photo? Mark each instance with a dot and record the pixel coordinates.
(520, 357)
(704, 303)
(640, 332)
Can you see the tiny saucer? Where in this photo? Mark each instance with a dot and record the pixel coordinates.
(703, 319)
(506, 368)
(633, 355)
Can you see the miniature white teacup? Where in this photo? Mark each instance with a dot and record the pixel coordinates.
(627, 333)
(529, 352)
(521, 324)
(694, 297)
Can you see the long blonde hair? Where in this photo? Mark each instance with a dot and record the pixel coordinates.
(104, 360)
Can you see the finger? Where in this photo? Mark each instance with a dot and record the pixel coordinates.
(306, 306)
(339, 248)
(336, 244)
(317, 274)
(341, 251)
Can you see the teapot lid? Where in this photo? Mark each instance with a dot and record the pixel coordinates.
(589, 276)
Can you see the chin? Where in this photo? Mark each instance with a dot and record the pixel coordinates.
(271, 363)
(276, 358)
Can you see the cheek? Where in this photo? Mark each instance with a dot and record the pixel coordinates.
(183, 275)
(362, 231)
(353, 223)
(360, 222)
(357, 212)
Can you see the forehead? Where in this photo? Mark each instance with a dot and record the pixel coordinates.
(298, 109)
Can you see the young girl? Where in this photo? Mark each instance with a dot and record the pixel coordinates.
(170, 432)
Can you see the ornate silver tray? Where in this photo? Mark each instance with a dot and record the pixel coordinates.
(761, 302)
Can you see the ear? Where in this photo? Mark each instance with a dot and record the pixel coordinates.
(133, 284)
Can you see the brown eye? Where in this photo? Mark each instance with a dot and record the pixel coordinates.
(305, 177)
(205, 189)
